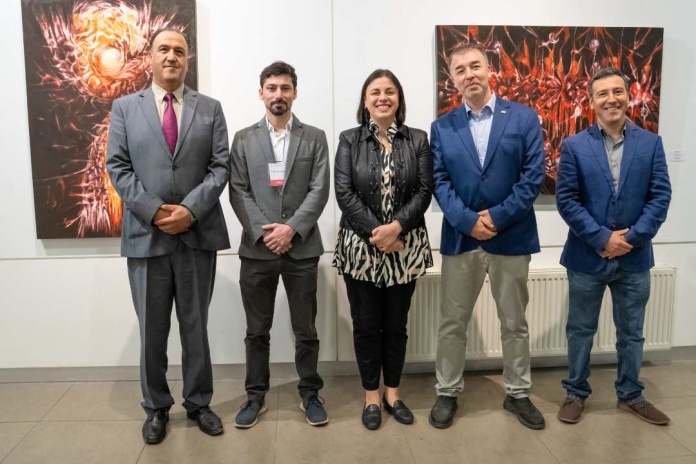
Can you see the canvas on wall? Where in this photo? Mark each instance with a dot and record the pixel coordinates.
(549, 67)
(80, 55)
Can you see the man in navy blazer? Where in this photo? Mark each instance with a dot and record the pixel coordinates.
(488, 170)
(168, 159)
(613, 191)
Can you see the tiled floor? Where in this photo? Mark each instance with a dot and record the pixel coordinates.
(100, 422)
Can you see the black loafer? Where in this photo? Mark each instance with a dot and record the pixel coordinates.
(442, 414)
(207, 420)
(155, 426)
(399, 410)
(526, 412)
(371, 417)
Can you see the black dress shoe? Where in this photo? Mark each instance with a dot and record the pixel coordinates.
(208, 421)
(371, 417)
(399, 410)
(525, 411)
(155, 426)
(442, 414)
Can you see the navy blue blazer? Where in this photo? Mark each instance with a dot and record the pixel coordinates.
(588, 204)
(506, 185)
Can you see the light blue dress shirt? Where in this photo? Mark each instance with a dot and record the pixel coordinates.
(480, 126)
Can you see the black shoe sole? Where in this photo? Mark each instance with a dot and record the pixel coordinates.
(527, 424)
(212, 433)
(154, 441)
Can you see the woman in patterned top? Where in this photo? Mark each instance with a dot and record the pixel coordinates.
(383, 180)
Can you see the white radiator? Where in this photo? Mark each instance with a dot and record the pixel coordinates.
(547, 313)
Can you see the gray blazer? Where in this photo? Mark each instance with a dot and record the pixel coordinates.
(300, 201)
(145, 174)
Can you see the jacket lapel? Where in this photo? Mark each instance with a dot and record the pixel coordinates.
(629, 151)
(187, 113)
(296, 133)
(465, 135)
(264, 140)
(149, 109)
(600, 152)
(501, 116)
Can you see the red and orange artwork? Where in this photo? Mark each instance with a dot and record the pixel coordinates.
(80, 55)
(548, 68)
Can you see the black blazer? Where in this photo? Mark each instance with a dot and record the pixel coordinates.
(357, 179)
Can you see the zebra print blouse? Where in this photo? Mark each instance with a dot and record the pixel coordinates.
(363, 261)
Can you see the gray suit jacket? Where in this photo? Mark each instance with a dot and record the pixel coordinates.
(298, 203)
(145, 174)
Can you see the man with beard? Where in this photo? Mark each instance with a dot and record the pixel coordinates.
(278, 188)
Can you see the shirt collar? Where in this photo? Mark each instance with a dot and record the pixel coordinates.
(160, 93)
(391, 131)
(605, 134)
(490, 104)
(288, 126)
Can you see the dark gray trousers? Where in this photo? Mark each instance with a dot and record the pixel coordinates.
(258, 281)
(185, 277)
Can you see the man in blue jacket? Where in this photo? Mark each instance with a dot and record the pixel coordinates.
(613, 191)
(488, 170)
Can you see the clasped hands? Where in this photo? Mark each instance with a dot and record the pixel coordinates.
(278, 237)
(172, 219)
(386, 237)
(616, 245)
(484, 229)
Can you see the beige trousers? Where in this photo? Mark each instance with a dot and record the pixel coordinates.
(462, 278)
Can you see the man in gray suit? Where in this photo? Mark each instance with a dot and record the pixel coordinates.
(279, 185)
(168, 159)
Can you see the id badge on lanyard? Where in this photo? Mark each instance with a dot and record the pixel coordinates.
(276, 172)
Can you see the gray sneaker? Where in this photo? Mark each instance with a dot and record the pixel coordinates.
(248, 414)
(442, 414)
(313, 407)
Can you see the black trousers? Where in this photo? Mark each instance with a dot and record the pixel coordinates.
(380, 315)
(258, 282)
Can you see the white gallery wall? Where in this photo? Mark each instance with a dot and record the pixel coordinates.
(67, 302)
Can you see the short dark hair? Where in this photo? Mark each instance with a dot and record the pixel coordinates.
(604, 73)
(363, 115)
(278, 68)
(465, 47)
(168, 29)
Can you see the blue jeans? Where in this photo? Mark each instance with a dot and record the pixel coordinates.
(630, 292)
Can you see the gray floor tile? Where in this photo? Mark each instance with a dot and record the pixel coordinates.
(677, 460)
(20, 402)
(480, 435)
(342, 441)
(185, 444)
(11, 434)
(606, 433)
(669, 379)
(682, 411)
(118, 442)
(100, 401)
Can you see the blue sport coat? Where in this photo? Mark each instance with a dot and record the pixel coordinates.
(506, 185)
(592, 209)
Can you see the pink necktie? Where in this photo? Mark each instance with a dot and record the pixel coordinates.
(169, 125)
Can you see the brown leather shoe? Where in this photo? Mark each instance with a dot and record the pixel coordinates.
(646, 411)
(571, 410)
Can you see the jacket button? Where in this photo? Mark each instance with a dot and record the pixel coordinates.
(175, 167)
(280, 193)
(483, 177)
(284, 216)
